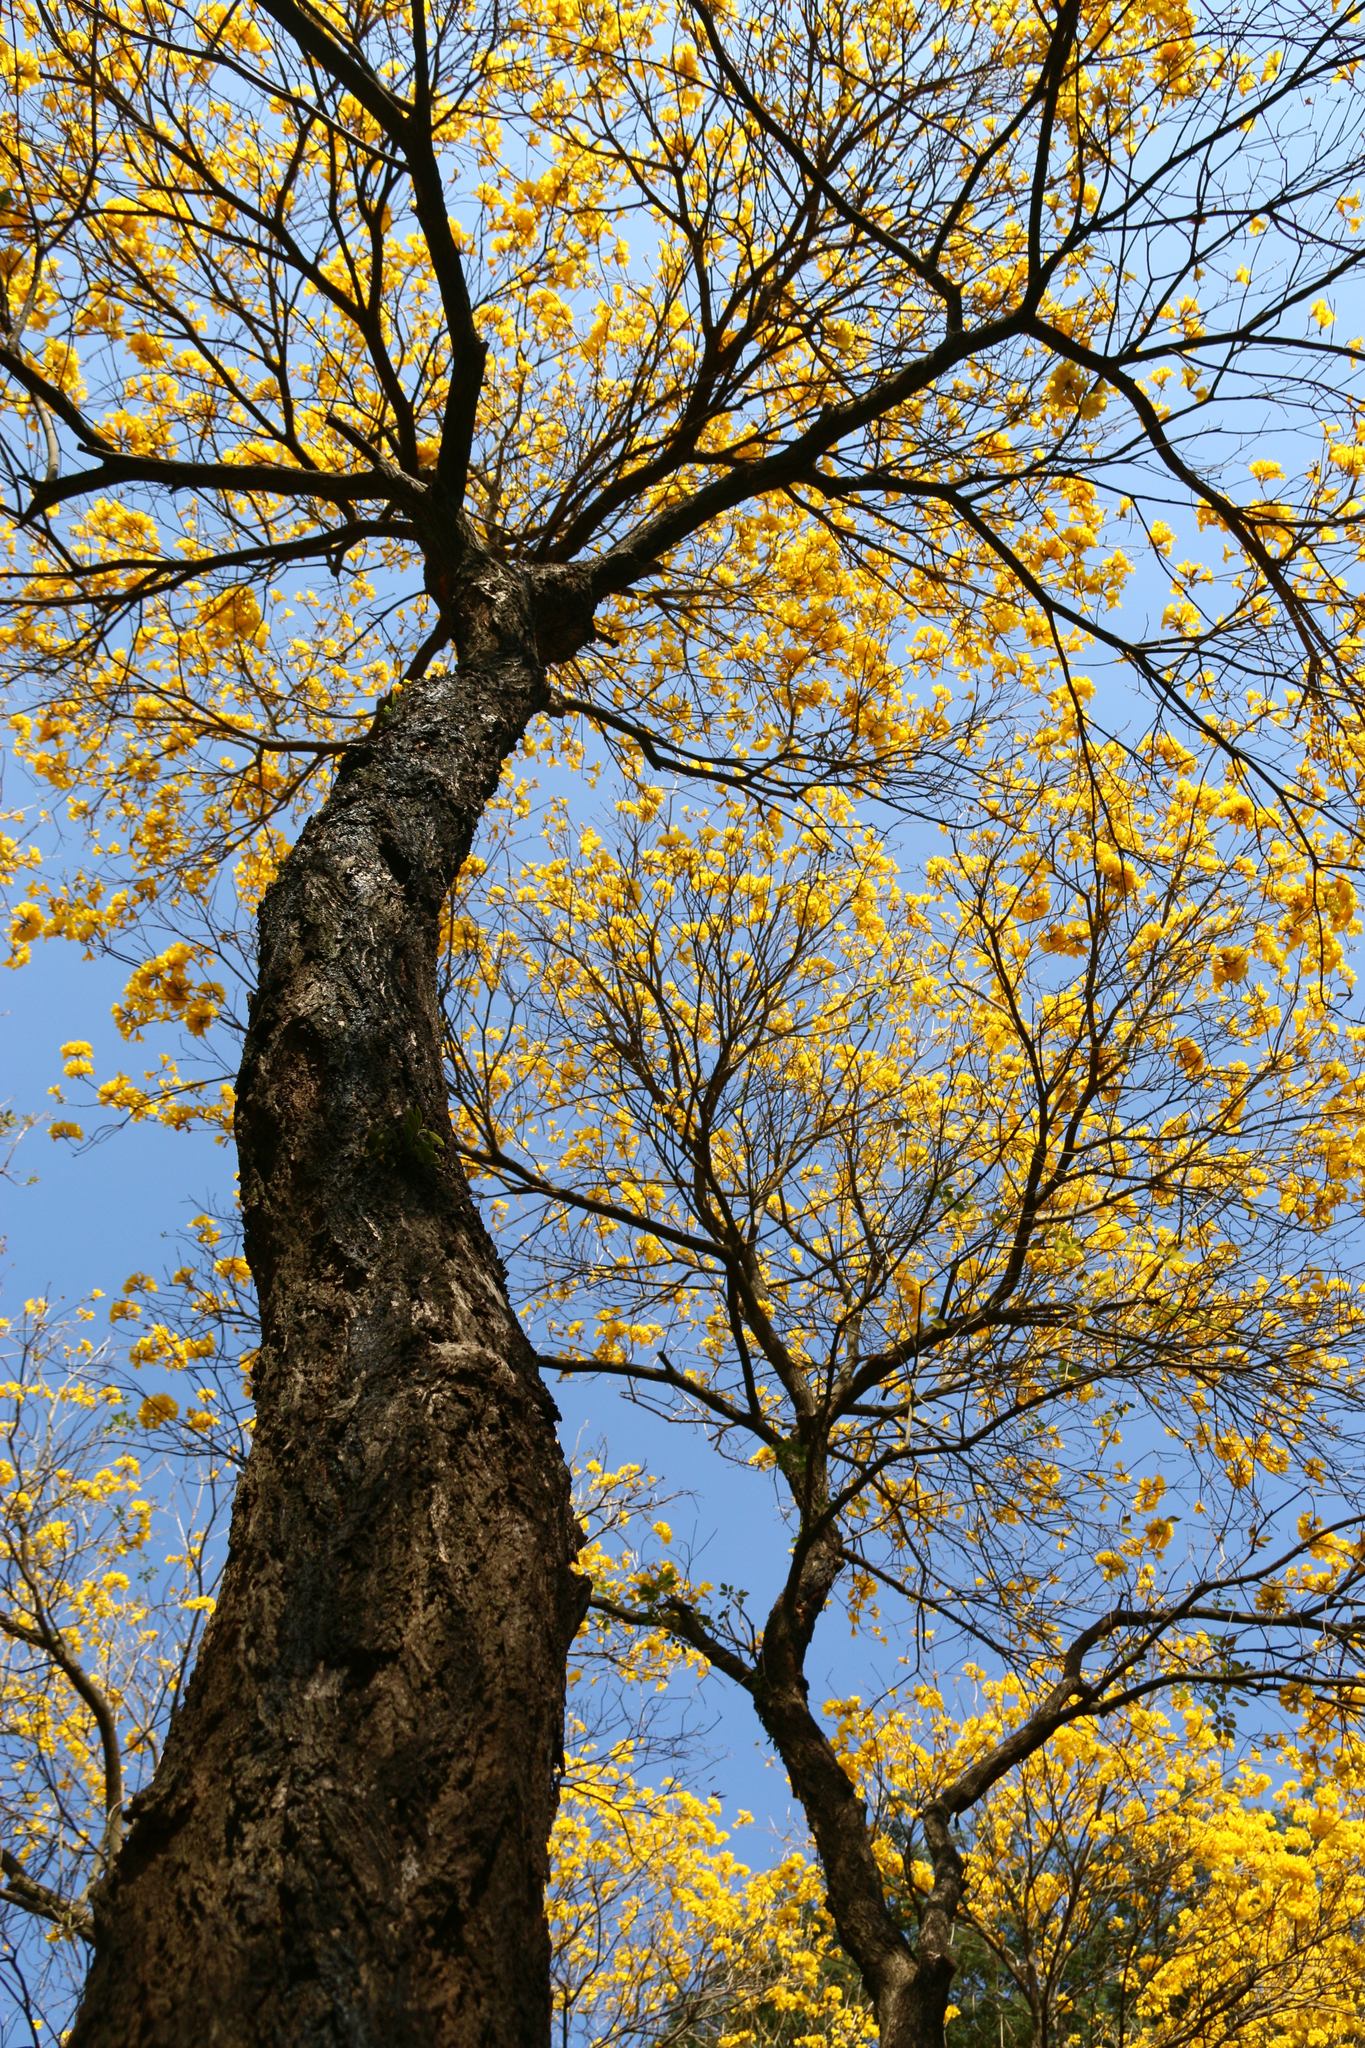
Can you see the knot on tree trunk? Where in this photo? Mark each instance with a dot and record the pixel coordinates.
(492, 609)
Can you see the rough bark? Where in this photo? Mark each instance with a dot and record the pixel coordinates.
(345, 1840)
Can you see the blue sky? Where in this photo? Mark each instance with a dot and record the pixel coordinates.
(95, 1215)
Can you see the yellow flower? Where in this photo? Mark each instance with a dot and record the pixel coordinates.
(1118, 871)
(78, 1057)
(27, 923)
(1189, 1056)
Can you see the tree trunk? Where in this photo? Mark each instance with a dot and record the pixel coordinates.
(908, 1984)
(345, 1842)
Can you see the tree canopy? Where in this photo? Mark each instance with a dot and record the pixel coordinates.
(850, 514)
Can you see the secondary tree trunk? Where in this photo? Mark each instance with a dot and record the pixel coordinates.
(345, 1840)
(907, 1982)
